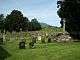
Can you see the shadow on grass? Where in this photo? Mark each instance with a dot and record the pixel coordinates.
(3, 53)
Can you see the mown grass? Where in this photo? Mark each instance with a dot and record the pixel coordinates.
(49, 51)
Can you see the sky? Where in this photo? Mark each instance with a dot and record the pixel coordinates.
(44, 10)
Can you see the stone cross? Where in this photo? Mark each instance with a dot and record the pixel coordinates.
(64, 25)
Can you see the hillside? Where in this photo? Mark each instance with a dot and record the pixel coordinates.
(43, 25)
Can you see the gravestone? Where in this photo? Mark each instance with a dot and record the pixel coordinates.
(49, 39)
(8, 36)
(22, 41)
(13, 35)
(1, 38)
(22, 45)
(43, 39)
(46, 35)
(31, 44)
(64, 22)
(4, 37)
(39, 38)
(34, 39)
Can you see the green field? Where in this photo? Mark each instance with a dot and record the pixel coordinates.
(50, 51)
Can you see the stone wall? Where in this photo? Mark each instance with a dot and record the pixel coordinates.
(62, 37)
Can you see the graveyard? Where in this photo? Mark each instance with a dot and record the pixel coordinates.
(40, 50)
(30, 30)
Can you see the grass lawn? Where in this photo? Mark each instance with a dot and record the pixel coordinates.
(50, 51)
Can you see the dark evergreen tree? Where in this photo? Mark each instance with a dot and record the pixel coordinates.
(2, 22)
(70, 10)
(35, 24)
(15, 21)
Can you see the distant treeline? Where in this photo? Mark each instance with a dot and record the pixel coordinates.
(15, 20)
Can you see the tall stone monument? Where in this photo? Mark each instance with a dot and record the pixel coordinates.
(64, 22)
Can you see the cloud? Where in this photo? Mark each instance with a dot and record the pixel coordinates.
(43, 10)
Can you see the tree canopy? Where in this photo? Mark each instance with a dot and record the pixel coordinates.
(2, 21)
(70, 10)
(15, 20)
(35, 24)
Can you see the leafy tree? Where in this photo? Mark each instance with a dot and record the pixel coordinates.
(25, 23)
(70, 10)
(15, 21)
(35, 24)
(2, 21)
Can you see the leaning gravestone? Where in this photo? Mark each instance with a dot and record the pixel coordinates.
(22, 41)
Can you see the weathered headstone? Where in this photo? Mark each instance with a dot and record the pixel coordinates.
(49, 39)
(34, 39)
(4, 39)
(39, 38)
(1, 38)
(13, 35)
(43, 39)
(31, 44)
(22, 41)
(21, 45)
(46, 35)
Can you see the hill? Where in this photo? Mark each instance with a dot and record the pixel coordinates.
(43, 25)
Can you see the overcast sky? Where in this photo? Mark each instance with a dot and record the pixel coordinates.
(43, 10)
